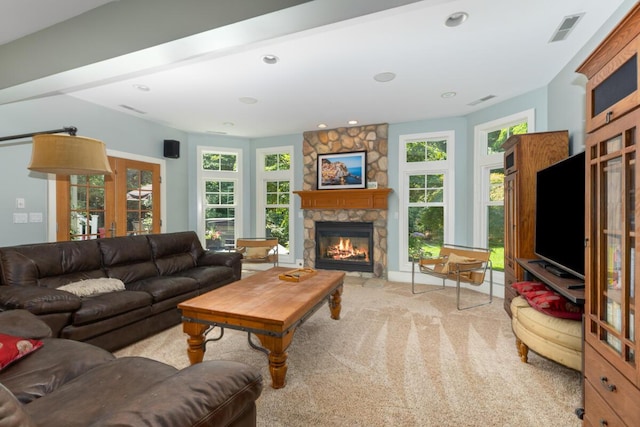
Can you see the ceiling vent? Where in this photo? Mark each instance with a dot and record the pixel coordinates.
(132, 109)
(566, 26)
(483, 99)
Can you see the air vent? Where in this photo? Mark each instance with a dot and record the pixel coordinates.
(483, 99)
(566, 26)
(135, 110)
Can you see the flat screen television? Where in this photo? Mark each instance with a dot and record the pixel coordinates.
(560, 212)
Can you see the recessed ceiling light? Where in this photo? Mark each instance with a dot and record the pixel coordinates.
(270, 59)
(384, 77)
(456, 19)
(322, 125)
(247, 100)
(353, 122)
(448, 95)
(228, 124)
(143, 88)
(216, 132)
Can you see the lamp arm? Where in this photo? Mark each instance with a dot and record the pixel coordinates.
(71, 130)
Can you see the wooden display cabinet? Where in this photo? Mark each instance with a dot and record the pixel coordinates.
(524, 156)
(612, 371)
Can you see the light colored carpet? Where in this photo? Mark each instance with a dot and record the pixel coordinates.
(398, 359)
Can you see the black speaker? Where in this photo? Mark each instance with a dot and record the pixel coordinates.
(171, 148)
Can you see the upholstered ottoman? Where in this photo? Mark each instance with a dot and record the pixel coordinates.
(555, 338)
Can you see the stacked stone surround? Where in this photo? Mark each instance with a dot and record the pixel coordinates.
(370, 138)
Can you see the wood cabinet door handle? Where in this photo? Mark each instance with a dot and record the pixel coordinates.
(608, 117)
(605, 383)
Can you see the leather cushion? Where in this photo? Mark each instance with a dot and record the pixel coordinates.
(100, 392)
(108, 305)
(33, 264)
(56, 363)
(23, 323)
(174, 263)
(164, 287)
(206, 276)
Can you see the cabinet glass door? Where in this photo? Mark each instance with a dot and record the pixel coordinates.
(614, 298)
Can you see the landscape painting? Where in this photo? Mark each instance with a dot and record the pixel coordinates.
(342, 170)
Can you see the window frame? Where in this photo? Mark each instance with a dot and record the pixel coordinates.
(261, 204)
(445, 167)
(483, 164)
(204, 175)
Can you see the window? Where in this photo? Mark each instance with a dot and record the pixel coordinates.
(219, 189)
(489, 181)
(425, 193)
(275, 204)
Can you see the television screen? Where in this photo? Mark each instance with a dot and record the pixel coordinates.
(560, 212)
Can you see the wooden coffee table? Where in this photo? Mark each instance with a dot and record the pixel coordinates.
(263, 305)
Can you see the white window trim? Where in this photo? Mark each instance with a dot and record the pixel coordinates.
(261, 177)
(483, 163)
(445, 167)
(201, 175)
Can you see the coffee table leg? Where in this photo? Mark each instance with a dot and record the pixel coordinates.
(335, 303)
(195, 340)
(277, 347)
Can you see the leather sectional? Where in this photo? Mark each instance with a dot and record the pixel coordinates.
(158, 272)
(66, 383)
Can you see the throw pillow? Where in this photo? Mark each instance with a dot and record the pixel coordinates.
(553, 304)
(525, 287)
(13, 348)
(257, 252)
(90, 287)
(456, 259)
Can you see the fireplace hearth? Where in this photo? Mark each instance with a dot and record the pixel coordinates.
(344, 246)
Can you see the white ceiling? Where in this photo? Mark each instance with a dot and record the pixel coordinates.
(325, 74)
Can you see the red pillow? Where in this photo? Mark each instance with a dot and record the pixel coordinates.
(13, 348)
(554, 304)
(525, 287)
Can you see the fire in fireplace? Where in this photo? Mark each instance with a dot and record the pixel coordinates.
(344, 246)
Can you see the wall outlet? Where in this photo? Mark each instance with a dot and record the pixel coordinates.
(300, 263)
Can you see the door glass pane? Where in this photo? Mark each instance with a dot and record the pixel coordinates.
(139, 201)
(86, 207)
(613, 187)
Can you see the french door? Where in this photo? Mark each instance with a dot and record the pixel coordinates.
(96, 206)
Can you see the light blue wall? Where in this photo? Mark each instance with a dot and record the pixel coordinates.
(119, 131)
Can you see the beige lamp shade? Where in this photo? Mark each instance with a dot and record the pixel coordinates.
(69, 155)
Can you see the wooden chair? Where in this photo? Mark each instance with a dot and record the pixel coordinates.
(464, 264)
(258, 250)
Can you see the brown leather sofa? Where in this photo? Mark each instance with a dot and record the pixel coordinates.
(158, 272)
(67, 383)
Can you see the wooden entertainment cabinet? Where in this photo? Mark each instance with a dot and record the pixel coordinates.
(611, 349)
(524, 156)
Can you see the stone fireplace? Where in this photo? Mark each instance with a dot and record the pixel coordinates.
(352, 206)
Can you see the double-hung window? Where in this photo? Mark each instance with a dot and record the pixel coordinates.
(426, 197)
(220, 186)
(274, 180)
(489, 181)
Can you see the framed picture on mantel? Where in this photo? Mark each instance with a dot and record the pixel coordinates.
(342, 170)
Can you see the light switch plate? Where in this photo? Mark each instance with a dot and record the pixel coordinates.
(20, 218)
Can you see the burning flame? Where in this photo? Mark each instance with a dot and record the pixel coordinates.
(345, 250)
